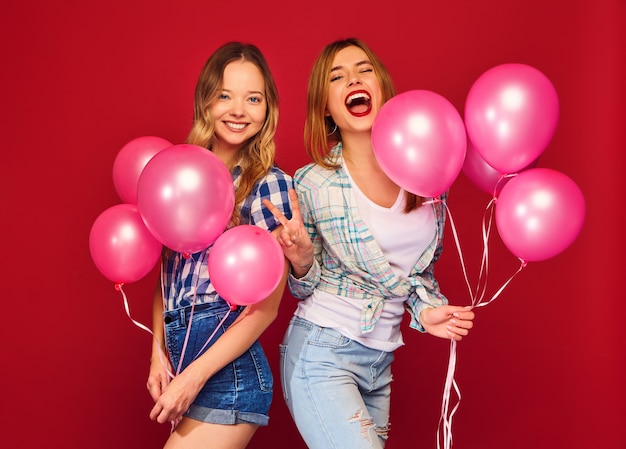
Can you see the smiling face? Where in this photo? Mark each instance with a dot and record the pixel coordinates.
(354, 95)
(240, 109)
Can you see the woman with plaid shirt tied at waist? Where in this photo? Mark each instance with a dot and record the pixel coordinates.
(362, 251)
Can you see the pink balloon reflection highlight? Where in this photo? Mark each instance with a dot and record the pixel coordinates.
(186, 197)
(121, 246)
(246, 264)
(511, 113)
(539, 213)
(419, 140)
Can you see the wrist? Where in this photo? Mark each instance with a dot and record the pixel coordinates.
(300, 270)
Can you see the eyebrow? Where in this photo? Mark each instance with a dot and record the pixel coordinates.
(360, 63)
(258, 92)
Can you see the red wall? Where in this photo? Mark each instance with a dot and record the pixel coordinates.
(545, 365)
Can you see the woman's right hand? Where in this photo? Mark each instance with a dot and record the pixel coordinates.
(292, 236)
(159, 376)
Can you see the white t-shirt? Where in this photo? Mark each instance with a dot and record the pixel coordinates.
(402, 239)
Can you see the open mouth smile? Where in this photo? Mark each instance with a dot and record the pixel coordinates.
(235, 126)
(359, 103)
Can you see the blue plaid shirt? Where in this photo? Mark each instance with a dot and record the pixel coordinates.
(185, 278)
(348, 261)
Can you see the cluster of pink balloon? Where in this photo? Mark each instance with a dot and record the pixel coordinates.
(181, 197)
(511, 114)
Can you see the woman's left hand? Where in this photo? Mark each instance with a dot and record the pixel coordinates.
(452, 322)
(176, 398)
(292, 236)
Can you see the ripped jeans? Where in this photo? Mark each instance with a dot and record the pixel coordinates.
(337, 390)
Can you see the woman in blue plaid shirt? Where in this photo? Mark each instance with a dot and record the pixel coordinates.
(221, 393)
(362, 251)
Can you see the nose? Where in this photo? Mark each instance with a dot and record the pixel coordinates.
(353, 80)
(237, 108)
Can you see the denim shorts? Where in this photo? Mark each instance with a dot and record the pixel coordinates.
(241, 392)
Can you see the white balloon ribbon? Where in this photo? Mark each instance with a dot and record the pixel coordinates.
(444, 429)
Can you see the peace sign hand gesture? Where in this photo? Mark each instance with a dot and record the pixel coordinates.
(292, 236)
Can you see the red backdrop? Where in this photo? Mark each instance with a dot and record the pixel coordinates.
(544, 366)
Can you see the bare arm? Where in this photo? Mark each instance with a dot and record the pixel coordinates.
(248, 327)
(158, 377)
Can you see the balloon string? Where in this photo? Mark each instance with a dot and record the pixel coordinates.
(174, 422)
(523, 264)
(213, 333)
(456, 240)
(445, 420)
(444, 429)
(481, 285)
(198, 266)
(162, 355)
(196, 270)
(481, 289)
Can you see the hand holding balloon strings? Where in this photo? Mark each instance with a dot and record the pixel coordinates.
(510, 116)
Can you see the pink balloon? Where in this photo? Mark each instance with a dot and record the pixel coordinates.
(539, 213)
(511, 114)
(130, 162)
(419, 141)
(121, 246)
(246, 264)
(186, 197)
(483, 175)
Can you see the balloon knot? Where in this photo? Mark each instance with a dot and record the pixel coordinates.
(118, 286)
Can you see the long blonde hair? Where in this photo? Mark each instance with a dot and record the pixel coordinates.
(256, 155)
(320, 131)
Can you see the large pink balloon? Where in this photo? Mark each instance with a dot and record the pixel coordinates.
(246, 264)
(539, 213)
(419, 141)
(130, 162)
(186, 197)
(511, 114)
(483, 175)
(121, 246)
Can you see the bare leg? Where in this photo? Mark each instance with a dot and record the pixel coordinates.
(192, 434)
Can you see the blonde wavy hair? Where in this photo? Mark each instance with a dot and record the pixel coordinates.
(257, 155)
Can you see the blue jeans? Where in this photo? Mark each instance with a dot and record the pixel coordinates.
(241, 392)
(337, 390)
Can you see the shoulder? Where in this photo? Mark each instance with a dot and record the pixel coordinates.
(277, 174)
(314, 177)
(276, 180)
